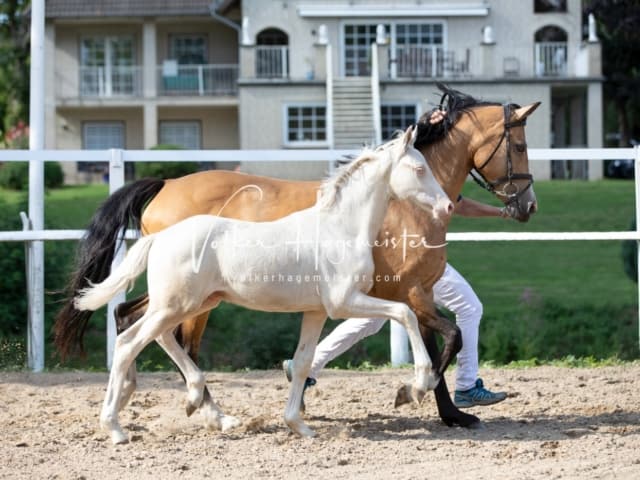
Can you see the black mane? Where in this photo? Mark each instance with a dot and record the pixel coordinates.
(455, 103)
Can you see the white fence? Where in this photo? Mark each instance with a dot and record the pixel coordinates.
(117, 158)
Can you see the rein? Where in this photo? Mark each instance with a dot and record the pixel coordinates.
(511, 190)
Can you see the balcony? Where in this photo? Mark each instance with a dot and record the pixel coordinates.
(550, 59)
(428, 61)
(197, 80)
(272, 61)
(110, 81)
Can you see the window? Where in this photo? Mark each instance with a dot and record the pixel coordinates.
(396, 117)
(306, 123)
(419, 34)
(185, 134)
(103, 135)
(100, 136)
(549, 6)
(107, 66)
(188, 49)
(357, 49)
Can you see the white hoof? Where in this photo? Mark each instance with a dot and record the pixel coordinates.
(228, 422)
(301, 429)
(118, 437)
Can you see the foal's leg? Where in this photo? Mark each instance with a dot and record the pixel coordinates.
(312, 323)
(362, 305)
(126, 314)
(128, 345)
(196, 385)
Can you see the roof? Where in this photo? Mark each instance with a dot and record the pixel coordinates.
(125, 8)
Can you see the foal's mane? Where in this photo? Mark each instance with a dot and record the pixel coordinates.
(455, 103)
(331, 187)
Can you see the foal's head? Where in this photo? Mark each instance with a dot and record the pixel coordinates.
(412, 179)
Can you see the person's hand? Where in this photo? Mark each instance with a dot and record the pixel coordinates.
(503, 212)
(437, 116)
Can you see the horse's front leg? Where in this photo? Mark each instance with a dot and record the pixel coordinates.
(312, 323)
(361, 305)
(449, 413)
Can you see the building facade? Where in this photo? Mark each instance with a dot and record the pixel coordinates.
(295, 74)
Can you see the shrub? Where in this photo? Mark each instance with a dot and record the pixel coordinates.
(165, 169)
(15, 175)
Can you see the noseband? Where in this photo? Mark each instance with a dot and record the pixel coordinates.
(511, 190)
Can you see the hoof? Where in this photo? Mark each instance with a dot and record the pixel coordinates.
(305, 431)
(190, 409)
(463, 420)
(228, 422)
(408, 394)
(118, 437)
(477, 425)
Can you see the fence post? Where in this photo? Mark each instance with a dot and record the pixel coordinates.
(35, 280)
(399, 344)
(116, 181)
(637, 183)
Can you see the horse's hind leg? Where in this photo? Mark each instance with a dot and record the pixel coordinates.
(196, 386)
(128, 345)
(126, 314)
(312, 324)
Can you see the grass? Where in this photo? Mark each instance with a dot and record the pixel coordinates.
(528, 289)
(570, 272)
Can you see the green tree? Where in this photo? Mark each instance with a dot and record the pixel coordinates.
(619, 32)
(14, 63)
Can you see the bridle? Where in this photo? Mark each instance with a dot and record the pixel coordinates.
(510, 190)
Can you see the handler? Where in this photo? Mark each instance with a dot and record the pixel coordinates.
(452, 292)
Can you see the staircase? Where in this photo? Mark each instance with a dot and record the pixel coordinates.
(352, 113)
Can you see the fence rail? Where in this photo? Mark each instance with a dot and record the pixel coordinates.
(117, 158)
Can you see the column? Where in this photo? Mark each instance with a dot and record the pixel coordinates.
(150, 121)
(149, 60)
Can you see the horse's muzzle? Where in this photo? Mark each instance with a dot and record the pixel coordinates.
(522, 207)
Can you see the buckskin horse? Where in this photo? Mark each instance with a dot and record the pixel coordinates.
(484, 139)
(198, 262)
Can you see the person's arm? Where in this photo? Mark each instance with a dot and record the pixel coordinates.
(470, 208)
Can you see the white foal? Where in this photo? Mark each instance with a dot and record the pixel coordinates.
(317, 261)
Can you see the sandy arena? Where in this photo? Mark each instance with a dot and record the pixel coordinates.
(557, 423)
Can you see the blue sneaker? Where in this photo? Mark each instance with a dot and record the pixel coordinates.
(476, 396)
(287, 366)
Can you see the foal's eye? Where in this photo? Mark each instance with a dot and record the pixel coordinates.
(520, 147)
(420, 170)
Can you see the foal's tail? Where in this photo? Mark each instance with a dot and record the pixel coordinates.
(120, 211)
(134, 263)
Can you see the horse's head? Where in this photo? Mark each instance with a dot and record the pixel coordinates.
(501, 163)
(412, 179)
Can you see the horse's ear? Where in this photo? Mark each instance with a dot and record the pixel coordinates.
(410, 135)
(523, 112)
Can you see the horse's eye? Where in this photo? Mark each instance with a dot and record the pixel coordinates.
(520, 147)
(420, 170)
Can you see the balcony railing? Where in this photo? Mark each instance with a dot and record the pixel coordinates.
(198, 80)
(272, 61)
(550, 59)
(429, 61)
(110, 81)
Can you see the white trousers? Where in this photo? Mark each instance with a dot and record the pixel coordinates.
(452, 292)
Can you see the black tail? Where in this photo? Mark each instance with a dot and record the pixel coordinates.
(120, 211)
